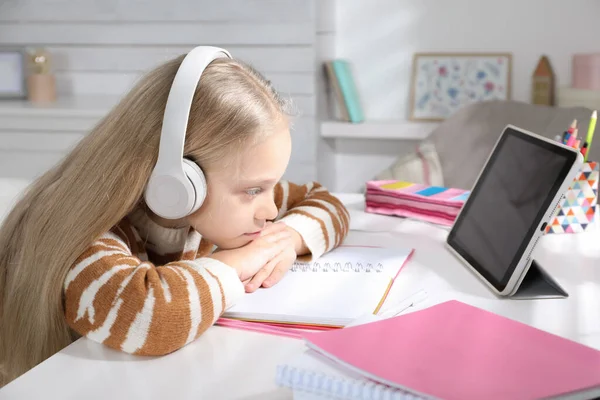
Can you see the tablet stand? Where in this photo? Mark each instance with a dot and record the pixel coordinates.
(538, 284)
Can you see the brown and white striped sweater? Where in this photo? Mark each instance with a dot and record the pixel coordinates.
(154, 295)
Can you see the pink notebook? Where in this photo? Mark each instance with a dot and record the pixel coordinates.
(456, 351)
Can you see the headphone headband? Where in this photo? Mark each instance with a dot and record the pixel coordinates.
(177, 187)
(179, 103)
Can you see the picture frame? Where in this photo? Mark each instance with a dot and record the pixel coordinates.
(13, 73)
(442, 83)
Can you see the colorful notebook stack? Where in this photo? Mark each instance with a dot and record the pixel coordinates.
(433, 204)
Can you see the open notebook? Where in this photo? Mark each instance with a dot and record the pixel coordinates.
(334, 290)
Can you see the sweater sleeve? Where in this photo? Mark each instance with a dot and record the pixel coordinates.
(114, 298)
(318, 216)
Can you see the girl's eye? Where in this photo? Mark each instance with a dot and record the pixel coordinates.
(254, 192)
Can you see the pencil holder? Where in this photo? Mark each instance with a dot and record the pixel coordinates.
(577, 212)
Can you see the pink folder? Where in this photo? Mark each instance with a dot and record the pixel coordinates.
(287, 330)
(456, 351)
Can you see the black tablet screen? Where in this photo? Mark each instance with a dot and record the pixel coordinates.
(506, 205)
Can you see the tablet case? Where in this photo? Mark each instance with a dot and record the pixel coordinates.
(538, 284)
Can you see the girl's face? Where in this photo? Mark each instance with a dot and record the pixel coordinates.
(240, 196)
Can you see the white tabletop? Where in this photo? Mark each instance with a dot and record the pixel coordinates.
(226, 363)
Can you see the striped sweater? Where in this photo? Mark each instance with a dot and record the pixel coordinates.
(153, 296)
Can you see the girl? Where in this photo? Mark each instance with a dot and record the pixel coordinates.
(81, 254)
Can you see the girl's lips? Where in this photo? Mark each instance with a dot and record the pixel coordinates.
(252, 233)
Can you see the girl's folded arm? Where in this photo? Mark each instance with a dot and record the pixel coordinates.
(114, 298)
(319, 217)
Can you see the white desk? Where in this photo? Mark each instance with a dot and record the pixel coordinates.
(231, 364)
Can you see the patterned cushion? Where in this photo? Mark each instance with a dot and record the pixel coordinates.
(422, 166)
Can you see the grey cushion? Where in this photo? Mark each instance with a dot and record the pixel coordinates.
(465, 140)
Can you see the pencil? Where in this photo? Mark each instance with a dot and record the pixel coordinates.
(572, 138)
(569, 131)
(590, 133)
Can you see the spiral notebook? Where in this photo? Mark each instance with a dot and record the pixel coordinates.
(334, 290)
(312, 376)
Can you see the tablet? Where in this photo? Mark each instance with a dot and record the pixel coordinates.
(509, 206)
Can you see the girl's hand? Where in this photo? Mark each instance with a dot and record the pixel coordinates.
(273, 271)
(249, 259)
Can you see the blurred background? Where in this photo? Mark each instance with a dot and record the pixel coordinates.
(349, 65)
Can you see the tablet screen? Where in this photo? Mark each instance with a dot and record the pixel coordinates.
(507, 204)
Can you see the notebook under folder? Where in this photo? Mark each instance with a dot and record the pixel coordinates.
(334, 290)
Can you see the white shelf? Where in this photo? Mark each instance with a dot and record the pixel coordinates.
(572, 97)
(66, 114)
(396, 130)
(64, 106)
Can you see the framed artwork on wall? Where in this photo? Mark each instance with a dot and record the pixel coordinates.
(442, 83)
(13, 71)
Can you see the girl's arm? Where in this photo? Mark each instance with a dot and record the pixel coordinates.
(319, 218)
(114, 298)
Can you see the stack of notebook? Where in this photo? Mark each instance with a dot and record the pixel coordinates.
(447, 351)
(433, 204)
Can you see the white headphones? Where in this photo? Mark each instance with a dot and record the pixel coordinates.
(177, 186)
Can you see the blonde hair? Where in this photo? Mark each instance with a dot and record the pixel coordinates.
(94, 187)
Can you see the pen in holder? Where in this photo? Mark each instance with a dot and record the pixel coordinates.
(577, 211)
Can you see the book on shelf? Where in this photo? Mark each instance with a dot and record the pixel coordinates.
(341, 79)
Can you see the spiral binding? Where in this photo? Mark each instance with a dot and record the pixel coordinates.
(335, 267)
(337, 388)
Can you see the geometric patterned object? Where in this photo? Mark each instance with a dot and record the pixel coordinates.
(578, 211)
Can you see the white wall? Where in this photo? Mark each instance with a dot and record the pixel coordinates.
(380, 37)
(102, 46)
(325, 50)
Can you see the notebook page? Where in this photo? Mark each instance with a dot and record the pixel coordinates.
(333, 290)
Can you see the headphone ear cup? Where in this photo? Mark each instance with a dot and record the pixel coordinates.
(198, 180)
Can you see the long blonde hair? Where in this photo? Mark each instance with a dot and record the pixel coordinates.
(100, 182)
